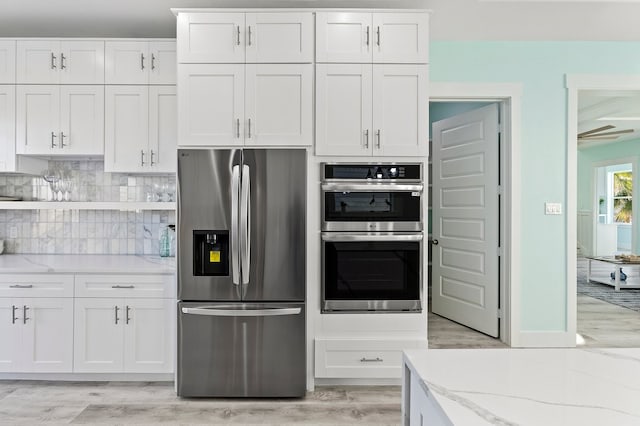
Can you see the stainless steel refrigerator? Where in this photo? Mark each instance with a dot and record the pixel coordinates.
(241, 273)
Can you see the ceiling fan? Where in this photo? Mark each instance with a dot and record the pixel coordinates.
(597, 134)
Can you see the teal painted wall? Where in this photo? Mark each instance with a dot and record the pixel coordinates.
(541, 68)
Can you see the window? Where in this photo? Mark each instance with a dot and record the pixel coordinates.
(622, 202)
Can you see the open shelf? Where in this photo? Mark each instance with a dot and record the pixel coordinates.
(85, 205)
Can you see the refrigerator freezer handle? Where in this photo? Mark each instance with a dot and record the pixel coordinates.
(245, 224)
(214, 312)
(235, 191)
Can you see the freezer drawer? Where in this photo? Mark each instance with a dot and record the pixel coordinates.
(241, 350)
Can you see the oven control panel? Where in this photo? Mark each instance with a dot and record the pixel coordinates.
(376, 172)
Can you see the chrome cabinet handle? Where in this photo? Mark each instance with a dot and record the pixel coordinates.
(366, 138)
(367, 35)
(62, 136)
(142, 61)
(126, 315)
(378, 35)
(153, 61)
(116, 309)
(249, 129)
(24, 314)
(53, 61)
(238, 35)
(378, 136)
(142, 157)
(238, 128)
(14, 308)
(21, 286)
(62, 58)
(249, 38)
(53, 144)
(152, 154)
(122, 286)
(376, 359)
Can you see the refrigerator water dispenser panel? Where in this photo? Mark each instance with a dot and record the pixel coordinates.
(211, 253)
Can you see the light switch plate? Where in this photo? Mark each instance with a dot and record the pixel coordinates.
(552, 208)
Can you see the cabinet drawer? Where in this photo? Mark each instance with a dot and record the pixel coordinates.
(134, 286)
(32, 285)
(342, 358)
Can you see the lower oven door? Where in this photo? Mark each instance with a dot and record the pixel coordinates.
(371, 272)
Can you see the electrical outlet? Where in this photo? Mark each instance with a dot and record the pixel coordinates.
(13, 232)
(552, 208)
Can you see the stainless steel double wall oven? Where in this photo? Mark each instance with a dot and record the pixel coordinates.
(372, 239)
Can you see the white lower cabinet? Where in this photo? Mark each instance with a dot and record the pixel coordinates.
(123, 335)
(37, 335)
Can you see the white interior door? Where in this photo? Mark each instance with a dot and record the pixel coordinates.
(211, 38)
(82, 62)
(278, 104)
(38, 119)
(163, 128)
(343, 109)
(7, 128)
(11, 332)
(126, 62)
(279, 37)
(47, 342)
(98, 335)
(163, 62)
(465, 279)
(82, 120)
(148, 335)
(7, 61)
(37, 62)
(343, 37)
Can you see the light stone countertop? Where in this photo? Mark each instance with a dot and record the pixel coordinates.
(85, 263)
(532, 386)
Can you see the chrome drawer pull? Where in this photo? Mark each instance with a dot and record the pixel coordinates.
(122, 286)
(21, 286)
(24, 314)
(14, 308)
(376, 359)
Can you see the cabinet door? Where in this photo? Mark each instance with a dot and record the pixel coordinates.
(126, 128)
(343, 37)
(148, 336)
(37, 62)
(163, 129)
(47, 340)
(98, 336)
(7, 128)
(127, 62)
(82, 62)
(278, 106)
(210, 37)
(7, 62)
(211, 105)
(163, 62)
(401, 38)
(279, 37)
(82, 120)
(400, 110)
(10, 334)
(343, 109)
(38, 120)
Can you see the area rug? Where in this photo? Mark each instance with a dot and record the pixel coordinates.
(627, 298)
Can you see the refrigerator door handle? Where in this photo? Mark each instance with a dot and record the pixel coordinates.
(235, 190)
(245, 224)
(216, 312)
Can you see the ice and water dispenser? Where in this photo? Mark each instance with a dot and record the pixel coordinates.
(211, 253)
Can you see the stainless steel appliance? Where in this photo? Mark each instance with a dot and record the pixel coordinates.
(241, 273)
(372, 240)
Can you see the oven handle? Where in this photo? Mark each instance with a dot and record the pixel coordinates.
(372, 187)
(339, 236)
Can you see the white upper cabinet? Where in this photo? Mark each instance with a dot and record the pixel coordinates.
(343, 109)
(378, 37)
(7, 128)
(140, 62)
(60, 62)
(343, 37)
(278, 104)
(60, 120)
(211, 104)
(279, 37)
(163, 129)
(265, 37)
(7, 62)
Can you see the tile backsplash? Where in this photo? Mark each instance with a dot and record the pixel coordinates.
(73, 231)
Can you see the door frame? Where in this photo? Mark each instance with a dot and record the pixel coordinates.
(509, 96)
(574, 83)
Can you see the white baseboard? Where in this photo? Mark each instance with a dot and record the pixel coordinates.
(358, 382)
(545, 339)
(91, 377)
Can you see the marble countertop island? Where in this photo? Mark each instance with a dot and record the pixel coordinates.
(89, 263)
(531, 386)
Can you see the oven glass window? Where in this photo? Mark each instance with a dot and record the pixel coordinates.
(372, 270)
(372, 206)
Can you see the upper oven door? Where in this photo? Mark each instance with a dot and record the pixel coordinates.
(371, 207)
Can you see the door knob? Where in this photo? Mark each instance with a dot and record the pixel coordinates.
(434, 242)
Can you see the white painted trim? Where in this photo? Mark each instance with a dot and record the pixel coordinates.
(547, 339)
(91, 377)
(510, 95)
(358, 382)
(575, 83)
